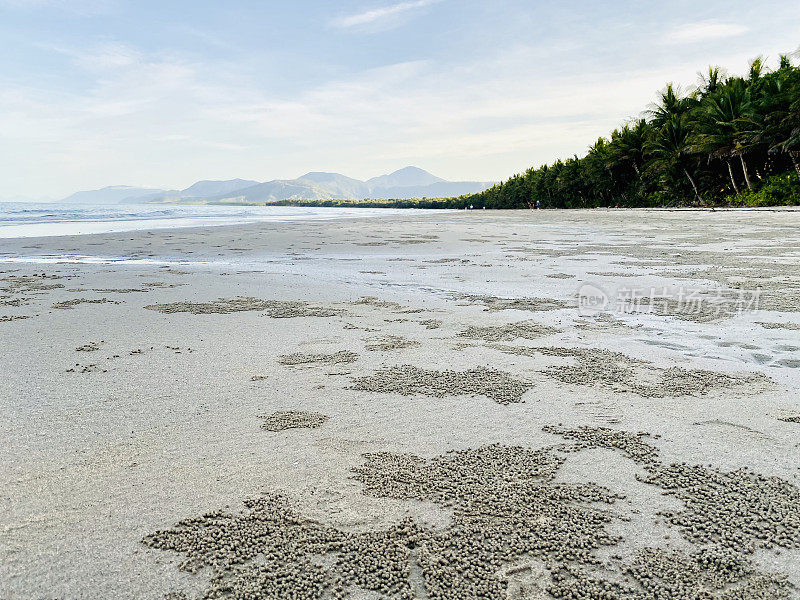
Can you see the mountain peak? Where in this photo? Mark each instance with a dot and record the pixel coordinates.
(323, 176)
(111, 194)
(211, 187)
(407, 176)
(411, 169)
(339, 185)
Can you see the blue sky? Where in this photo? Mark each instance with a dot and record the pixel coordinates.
(103, 92)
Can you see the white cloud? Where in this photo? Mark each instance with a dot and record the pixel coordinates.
(156, 120)
(101, 57)
(692, 33)
(149, 118)
(378, 15)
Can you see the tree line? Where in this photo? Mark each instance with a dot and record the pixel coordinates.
(732, 140)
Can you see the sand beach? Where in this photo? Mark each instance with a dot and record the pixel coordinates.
(442, 405)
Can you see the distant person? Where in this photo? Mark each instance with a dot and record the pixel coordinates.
(538, 204)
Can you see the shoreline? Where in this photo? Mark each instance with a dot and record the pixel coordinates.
(400, 213)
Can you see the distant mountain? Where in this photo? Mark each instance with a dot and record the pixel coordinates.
(406, 177)
(272, 191)
(112, 194)
(409, 182)
(214, 188)
(339, 185)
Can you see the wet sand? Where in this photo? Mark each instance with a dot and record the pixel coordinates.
(592, 404)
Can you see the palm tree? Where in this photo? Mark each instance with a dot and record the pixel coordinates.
(670, 149)
(782, 110)
(791, 145)
(671, 104)
(775, 125)
(750, 123)
(714, 141)
(598, 170)
(724, 123)
(710, 81)
(628, 145)
(757, 69)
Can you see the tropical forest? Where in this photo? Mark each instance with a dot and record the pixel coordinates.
(730, 141)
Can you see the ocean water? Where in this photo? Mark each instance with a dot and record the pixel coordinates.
(23, 219)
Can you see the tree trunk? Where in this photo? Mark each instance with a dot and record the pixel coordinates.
(744, 170)
(694, 187)
(733, 180)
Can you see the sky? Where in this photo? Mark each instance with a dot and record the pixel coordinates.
(165, 93)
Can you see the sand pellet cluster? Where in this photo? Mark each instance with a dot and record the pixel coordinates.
(69, 304)
(657, 574)
(293, 419)
(444, 261)
(740, 509)
(395, 307)
(90, 347)
(386, 343)
(288, 549)
(336, 358)
(630, 444)
(506, 509)
(431, 323)
(529, 330)
(90, 368)
(789, 326)
(621, 373)
(30, 283)
(737, 509)
(274, 308)
(408, 380)
(119, 290)
(505, 506)
(699, 310)
(16, 302)
(493, 303)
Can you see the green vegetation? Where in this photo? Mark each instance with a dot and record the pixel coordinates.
(733, 141)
